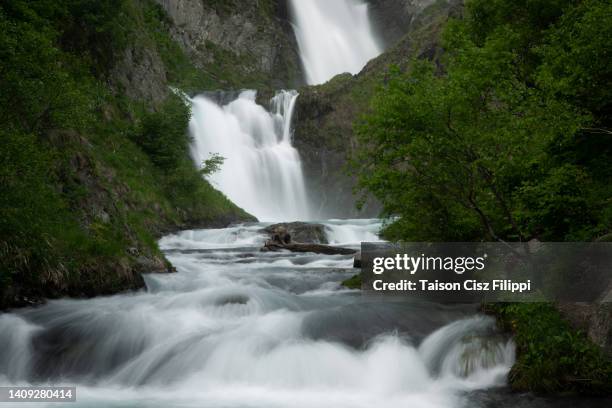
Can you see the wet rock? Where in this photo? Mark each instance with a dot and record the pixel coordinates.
(287, 236)
(303, 232)
(357, 260)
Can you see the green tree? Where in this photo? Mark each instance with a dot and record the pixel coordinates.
(162, 135)
(490, 149)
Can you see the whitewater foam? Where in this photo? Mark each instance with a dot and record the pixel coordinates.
(262, 171)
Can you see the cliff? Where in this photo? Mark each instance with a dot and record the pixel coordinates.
(238, 43)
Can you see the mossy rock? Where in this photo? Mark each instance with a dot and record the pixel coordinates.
(353, 282)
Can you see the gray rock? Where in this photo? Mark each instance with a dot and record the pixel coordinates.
(301, 232)
(246, 30)
(301, 237)
(595, 319)
(141, 74)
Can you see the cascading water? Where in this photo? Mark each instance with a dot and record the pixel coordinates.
(237, 327)
(334, 36)
(262, 172)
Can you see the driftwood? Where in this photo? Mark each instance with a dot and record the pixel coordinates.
(280, 239)
(272, 245)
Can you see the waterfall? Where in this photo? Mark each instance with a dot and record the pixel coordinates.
(262, 172)
(333, 37)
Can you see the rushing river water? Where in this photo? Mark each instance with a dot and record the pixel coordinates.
(236, 327)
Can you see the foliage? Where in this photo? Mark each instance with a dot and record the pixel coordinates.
(95, 30)
(38, 93)
(163, 134)
(507, 138)
(31, 212)
(354, 282)
(86, 173)
(499, 146)
(551, 356)
(212, 164)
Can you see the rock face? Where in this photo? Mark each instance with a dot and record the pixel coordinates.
(254, 34)
(141, 75)
(393, 18)
(236, 44)
(594, 319)
(325, 114)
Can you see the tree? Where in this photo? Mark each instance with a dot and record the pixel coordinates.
(480, 151)
(212, 164)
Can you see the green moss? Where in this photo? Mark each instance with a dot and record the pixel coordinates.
(353, 282)
(551, 356)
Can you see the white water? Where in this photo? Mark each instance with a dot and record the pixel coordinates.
(236, 327)
(334, 36)
(262, 172)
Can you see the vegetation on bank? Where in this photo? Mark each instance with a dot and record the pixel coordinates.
(507, 137)
(88, 176)
(551, 356)
(512, 141)
(354, 282)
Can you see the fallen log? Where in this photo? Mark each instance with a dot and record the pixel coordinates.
(274, 245)
(281, 238)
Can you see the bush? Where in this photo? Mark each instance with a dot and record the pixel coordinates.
(551, 356)
(163, 134)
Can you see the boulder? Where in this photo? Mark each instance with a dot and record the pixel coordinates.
(303, 232)
(301, 237)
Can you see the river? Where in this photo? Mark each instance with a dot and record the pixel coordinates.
(236, 327)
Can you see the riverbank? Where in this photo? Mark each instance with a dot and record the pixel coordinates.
(95, 155)
(552, 356)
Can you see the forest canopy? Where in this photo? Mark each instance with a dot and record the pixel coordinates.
(508, 137)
